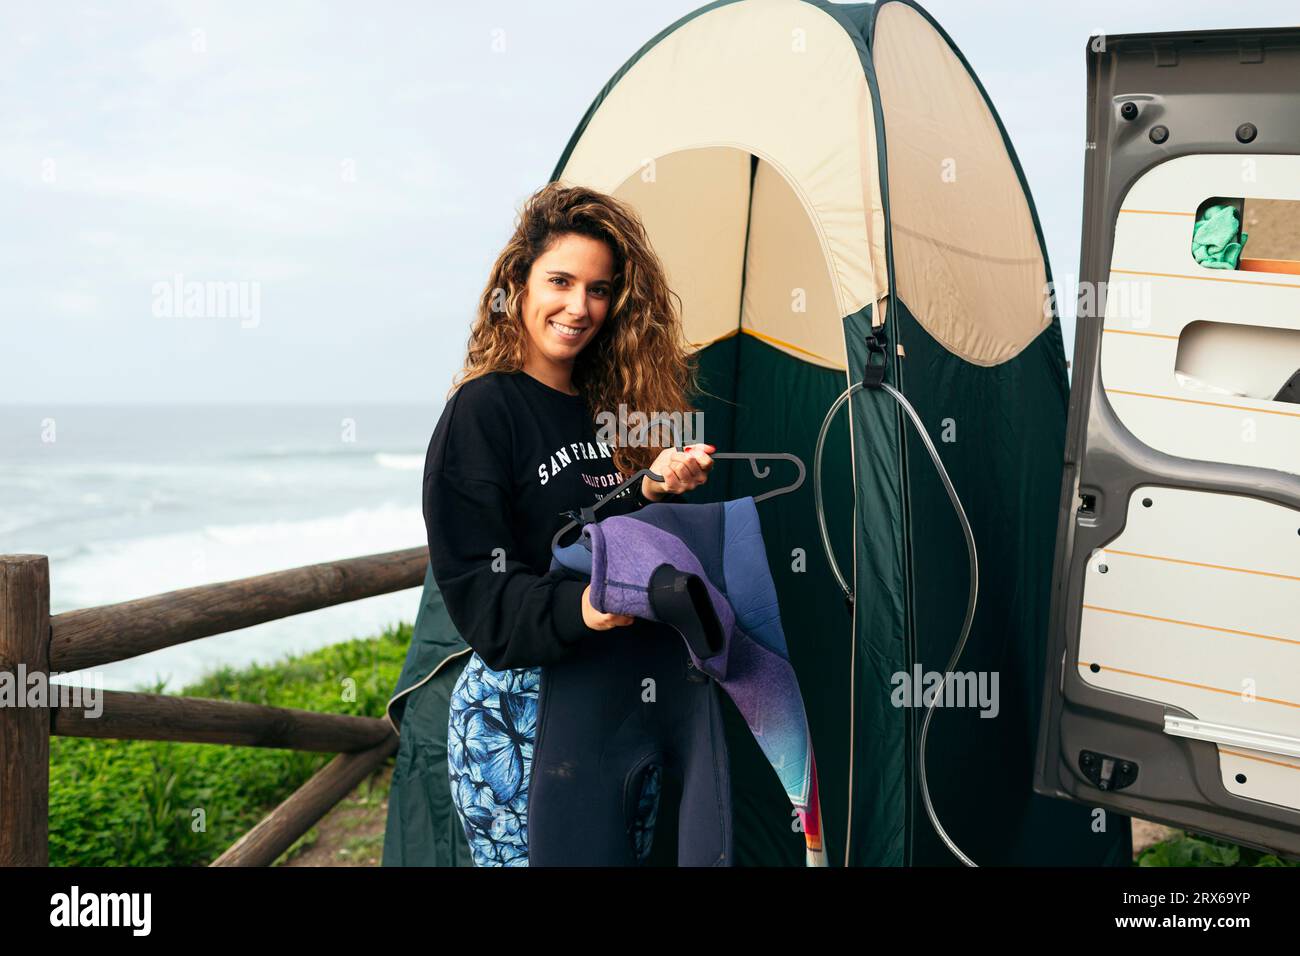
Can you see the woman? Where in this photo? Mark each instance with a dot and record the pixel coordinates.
(576, 318)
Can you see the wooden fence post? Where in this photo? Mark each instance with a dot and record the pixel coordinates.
(24, 730)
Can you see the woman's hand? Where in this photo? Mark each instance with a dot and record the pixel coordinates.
(599, 620)
(682, 471)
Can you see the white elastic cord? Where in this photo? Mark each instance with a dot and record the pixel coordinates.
(971, 555)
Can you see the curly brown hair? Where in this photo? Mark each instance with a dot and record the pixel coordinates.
(639, 358)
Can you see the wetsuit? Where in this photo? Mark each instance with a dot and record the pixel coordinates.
(702, 570)
(615, 719)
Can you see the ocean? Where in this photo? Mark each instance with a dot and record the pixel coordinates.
(129, 501)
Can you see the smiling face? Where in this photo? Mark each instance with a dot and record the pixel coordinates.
(564, 305)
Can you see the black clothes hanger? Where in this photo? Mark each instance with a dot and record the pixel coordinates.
(583, 516)
(753, 457)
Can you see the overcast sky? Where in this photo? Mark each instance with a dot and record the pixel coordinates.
(358, 167)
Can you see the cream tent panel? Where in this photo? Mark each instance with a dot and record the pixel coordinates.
(789, 292)
(967, 261)
(694, 205)
(780, 79)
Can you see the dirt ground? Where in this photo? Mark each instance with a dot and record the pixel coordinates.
(352, 834)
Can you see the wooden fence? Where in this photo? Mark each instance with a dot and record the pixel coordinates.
(31, 640)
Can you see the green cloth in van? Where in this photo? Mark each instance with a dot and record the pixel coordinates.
(1217, 239)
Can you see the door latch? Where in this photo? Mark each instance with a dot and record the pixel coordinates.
(1106, 772)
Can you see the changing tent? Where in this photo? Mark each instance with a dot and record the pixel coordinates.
(810, 174)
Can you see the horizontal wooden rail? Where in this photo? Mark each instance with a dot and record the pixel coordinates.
(131, 716)
(114, 632)
(77, 640)
(261, 845)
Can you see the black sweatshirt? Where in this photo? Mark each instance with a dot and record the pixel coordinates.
(508, 455)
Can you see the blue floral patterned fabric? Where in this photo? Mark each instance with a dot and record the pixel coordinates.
(490, 732)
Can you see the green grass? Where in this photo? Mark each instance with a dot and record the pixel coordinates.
(155, 803)
(1187, 849)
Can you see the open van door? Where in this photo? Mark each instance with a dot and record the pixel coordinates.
(1173, 687)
